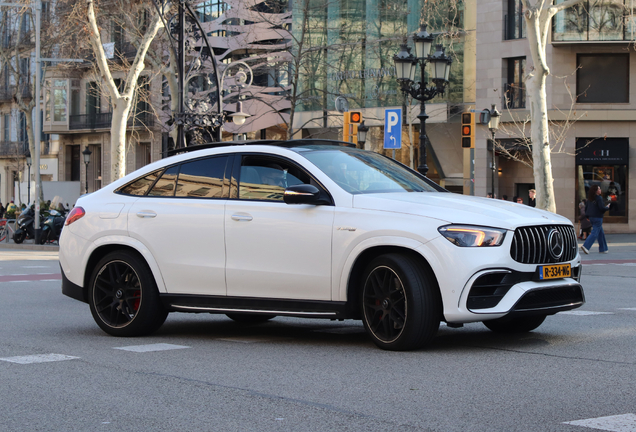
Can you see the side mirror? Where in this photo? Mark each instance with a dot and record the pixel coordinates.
(302, 194)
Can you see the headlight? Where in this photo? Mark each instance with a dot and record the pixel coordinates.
(472, 236)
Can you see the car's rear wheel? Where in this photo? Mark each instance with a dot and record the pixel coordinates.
(123, 296)
(401, 307)
(250, 318)
(522, 324)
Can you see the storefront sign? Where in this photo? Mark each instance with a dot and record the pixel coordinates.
(600, 151)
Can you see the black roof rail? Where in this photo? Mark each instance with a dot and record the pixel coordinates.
(277, 143)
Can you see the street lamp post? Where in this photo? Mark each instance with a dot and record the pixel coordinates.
(87, 159)
(362, 134)
(493, 125)
(28, 162)
(406, 64)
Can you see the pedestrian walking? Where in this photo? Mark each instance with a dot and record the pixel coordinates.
(595, 209)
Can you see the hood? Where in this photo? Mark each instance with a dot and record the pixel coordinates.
(459, 209)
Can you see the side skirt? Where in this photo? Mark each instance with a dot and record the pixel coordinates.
(248, 305)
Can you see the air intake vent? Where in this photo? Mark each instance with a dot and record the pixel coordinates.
(544, 244)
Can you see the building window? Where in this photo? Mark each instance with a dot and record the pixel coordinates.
(604, 162)
(59, 100)
(593, 20)
(514, 23)
(514, 87)
(7, 128)
(602, 78)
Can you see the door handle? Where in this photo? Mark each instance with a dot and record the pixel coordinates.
(242, 217)
(146, 214)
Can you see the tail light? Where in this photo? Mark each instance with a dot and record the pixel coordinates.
(75, 214)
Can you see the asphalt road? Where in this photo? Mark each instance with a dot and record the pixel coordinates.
(60, 372)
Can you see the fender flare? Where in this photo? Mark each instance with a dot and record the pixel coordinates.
(132, 243)
(343, 275)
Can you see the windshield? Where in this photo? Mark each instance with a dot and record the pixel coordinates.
(365, 172)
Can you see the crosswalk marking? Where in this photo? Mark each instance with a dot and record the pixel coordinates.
(151, 347)
(38, 358)
(616, 423)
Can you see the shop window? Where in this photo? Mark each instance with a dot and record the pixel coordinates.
(604, 162)
(602, 78)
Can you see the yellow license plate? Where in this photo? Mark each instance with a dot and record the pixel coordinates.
(555, 271)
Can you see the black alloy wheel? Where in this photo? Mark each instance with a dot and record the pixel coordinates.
(123, 296)
(522, 324)
(401, 306)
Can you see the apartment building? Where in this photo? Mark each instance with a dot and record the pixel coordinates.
(591, 59)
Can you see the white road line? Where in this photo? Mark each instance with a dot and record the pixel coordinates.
(585, 313)
(151, 347)
(35, 267)
(632, 309)
(617, 423)
(245, 340)
(38, 358)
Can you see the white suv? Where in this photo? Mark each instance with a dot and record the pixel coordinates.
(313, 229)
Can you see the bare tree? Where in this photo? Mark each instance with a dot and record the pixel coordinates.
(122, 97)
(538, 17)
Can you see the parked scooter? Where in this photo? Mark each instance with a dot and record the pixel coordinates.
(25, 224)
(52, 227)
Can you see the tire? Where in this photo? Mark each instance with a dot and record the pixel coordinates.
(401, 304)
(250, 318)
(521, 324)
(123, 296)
(19, 236)
(44, 236)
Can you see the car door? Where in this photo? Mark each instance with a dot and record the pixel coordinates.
(276, 250)
(180, 220)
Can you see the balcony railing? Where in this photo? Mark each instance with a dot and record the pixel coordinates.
(514, 96)
(16, 149)
(7, 93)
(104, 120)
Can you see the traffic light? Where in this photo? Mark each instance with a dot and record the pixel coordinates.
(351, 120)
(468, 130)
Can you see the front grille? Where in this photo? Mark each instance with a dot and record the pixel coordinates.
(551, 298)
(530, 244)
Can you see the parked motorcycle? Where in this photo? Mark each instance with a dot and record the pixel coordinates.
(25, 224)
(52, 227)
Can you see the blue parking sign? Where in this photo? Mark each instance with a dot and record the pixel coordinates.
(393, 128)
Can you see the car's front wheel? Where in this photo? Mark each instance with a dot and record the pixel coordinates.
(401, 306)
(123, 296)
(522, 324)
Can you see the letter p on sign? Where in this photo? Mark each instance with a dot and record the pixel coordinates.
(393, 128)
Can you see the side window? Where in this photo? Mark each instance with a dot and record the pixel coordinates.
(165, 186)
(266, 178)
(140, 186)
(202, 178)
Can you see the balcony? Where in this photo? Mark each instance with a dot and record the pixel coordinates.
(104, 121)
(514, 96)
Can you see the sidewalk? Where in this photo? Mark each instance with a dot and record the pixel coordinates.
(622, 248)
(28, 245)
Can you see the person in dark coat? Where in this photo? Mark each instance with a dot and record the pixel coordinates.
(532, 200)
(586, 225)
(595, 209)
